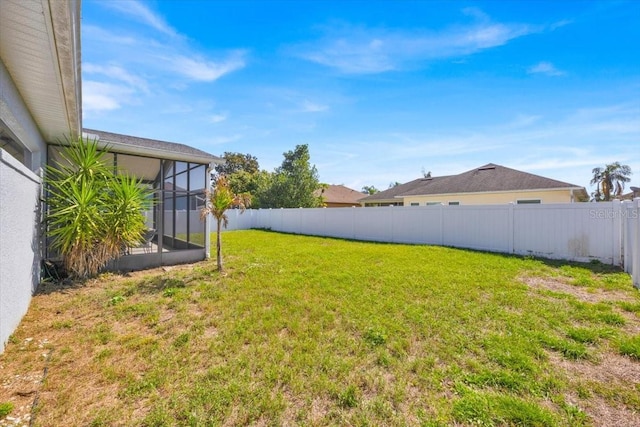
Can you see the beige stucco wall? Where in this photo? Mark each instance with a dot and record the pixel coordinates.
(548, 196)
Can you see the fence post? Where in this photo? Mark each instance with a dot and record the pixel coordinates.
(441, 207)
(616, 223)
(626, 235)
(511, 228)
(634, 218)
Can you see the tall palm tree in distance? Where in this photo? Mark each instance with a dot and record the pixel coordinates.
(218, 202)
(610, 181)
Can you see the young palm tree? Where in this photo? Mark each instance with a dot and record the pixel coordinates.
(92, 212)
(610, 179)
(217, 203)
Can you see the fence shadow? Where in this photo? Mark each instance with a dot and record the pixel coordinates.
(595, 266)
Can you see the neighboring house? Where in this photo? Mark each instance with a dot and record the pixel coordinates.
(40, 106)
(488, 184)
(635, 192)
(339, 196)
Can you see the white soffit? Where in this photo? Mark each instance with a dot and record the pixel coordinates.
(40, 47)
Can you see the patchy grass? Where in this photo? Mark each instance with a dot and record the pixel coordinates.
(5, 409)
(316, 331)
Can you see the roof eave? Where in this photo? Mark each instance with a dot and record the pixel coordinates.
(65, 18)
(119, 147)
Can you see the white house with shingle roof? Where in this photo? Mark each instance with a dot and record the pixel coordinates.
(488, 184)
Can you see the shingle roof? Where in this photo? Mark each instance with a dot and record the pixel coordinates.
(400, 190)
(487, 178)
(341, 194)
(161, 149)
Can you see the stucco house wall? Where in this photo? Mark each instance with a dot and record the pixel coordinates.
(19, 245)
(546, 196)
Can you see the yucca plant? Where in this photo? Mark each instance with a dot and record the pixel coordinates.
(217, 203)
(93, 212)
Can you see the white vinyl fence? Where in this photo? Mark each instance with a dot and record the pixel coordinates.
(608, 232)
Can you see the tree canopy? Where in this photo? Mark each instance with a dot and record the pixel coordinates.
(369, 189)
(236, 162)
(292, 185)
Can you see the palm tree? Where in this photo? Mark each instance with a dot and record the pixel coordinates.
(217, 203)
(610, 179)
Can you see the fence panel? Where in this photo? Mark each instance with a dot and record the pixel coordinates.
(579, 232)
(477, 227)
(411, 224)
(340, 223)
(376, 225)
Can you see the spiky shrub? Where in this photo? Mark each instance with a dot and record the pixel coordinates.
(93, 212)
(218, 202)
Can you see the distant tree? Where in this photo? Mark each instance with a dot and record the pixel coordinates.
(393, 184)
(294, 183)
(610, 181)
(236, 162)
(426, 174)
(218, 202)
(369, 189)
(241, 171)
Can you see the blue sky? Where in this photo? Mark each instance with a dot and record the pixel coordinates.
(379, 90)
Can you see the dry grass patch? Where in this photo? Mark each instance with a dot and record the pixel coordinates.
(587, 294)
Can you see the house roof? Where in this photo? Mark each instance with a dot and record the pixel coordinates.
(150, 147)
(487, 178)
(40, 47)
(393, 193)
(341, 194)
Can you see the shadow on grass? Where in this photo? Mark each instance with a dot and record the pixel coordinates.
(149, 281)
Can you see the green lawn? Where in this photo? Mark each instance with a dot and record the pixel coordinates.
(317, 331)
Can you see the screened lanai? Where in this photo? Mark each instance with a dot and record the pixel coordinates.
(178, 176)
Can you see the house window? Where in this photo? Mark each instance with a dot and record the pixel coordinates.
(433, 203)
(454, 203)
(529, 202)
(415, 204)
(11, 146)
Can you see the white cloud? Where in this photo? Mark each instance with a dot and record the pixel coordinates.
(312, 107)
(546, 68)
(98, 96)
(139, 12)
(117, 73)
(218, 118)
(521, 121)
(200, 69)
(93, 32)
(360, 50)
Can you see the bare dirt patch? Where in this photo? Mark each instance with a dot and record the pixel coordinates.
(610, 369)
(593, 295)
